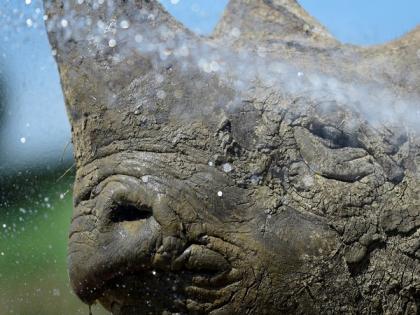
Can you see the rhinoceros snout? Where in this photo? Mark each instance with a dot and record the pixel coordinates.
(131, 239)
(117, 231)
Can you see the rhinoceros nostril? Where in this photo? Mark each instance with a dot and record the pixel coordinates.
(128, 212)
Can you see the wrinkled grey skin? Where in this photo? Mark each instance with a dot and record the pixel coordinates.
(320, 215)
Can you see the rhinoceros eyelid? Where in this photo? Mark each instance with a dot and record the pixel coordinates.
(87, 192)
(94, 190)
(90, 191)
(82, 196)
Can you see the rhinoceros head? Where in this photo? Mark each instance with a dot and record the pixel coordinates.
(266, 169)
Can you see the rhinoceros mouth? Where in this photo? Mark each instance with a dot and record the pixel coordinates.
(199, 279)
(157, 292)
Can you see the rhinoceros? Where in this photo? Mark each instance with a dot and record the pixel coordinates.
(264, 169)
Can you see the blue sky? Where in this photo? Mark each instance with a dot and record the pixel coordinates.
(36, 127)
(365, 22)
(362, 22)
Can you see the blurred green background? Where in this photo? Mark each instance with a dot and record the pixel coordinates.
(36, 209)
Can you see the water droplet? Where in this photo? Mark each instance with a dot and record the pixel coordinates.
(211, 163)
(165, 53)
(235, 32)
(64, 23)
(29, 23)
(28, 2)
(220, 194)
(174, 2)
(23, 140)
(214, 66)
(112, 43)
(204, 65)
(138, 38)
(100, 24)
(182, 51)
(124, 24)
(300, 74)
(154, 272)
(255, 179)
(227, 167)
(161, 94)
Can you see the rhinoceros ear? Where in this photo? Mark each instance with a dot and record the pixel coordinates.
(271, 20)
(102, 46)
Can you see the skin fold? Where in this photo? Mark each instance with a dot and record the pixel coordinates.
(197, 195)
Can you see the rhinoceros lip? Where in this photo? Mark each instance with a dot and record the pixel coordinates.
(175, 298)
(136, 281)
(169, 292)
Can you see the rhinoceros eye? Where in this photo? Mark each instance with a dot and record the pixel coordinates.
(333, 137)
(128, 212)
